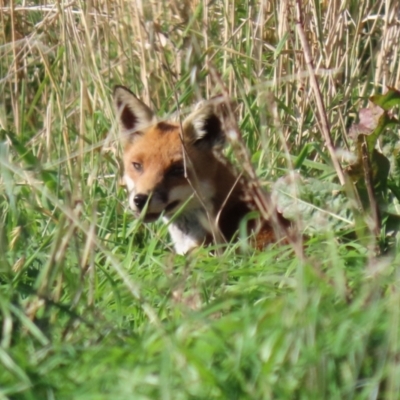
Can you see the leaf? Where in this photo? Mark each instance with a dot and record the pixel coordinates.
(49, 178)
(281, 45)
(316, 205)
(369, 120)
(380, 166)
(373, 121)
(23, 151)
(32, 163)
(388, 100)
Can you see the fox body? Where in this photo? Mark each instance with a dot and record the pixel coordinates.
(177, 171)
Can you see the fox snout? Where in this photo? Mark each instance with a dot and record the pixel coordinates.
(152, 204)
(145, 205)
(140, 200)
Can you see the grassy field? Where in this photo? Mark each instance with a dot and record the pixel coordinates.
(94, 304)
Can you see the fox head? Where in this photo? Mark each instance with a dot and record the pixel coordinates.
(167, 164)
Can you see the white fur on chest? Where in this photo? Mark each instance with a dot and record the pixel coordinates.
(188, 230)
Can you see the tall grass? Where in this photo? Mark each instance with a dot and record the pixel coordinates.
(95, 305)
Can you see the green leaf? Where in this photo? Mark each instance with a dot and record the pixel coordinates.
(380, 166)
(384, 122)
(25, 153)
(388, 100)
(281, 45)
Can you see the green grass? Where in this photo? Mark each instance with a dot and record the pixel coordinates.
(94, 304)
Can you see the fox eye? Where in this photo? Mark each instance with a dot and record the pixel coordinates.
(137, 166)
(177, 171)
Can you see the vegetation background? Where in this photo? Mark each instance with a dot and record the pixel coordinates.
(93, 304)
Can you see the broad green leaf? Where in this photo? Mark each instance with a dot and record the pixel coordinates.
(388, 100)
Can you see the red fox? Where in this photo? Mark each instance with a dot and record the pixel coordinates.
(177, 171)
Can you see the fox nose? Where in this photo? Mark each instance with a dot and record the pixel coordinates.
(140, 201)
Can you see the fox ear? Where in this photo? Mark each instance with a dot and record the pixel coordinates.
(204, 127)
(133, 114)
